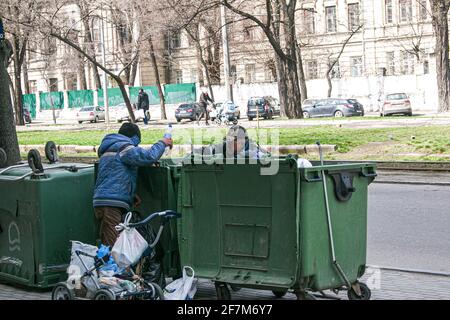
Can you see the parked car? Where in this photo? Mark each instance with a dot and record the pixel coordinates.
(309, 103)
(120, 113)
(186, 111)
(266, 107)
(232, 109)
(333, 107)
(396, 103)
(92, 114)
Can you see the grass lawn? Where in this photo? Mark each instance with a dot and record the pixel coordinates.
(429, 140)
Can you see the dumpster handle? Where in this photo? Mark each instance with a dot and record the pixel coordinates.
(330, 230)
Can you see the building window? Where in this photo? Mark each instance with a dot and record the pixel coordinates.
(308, 21)
(248, 33)
(408, 61)
(335, 71)
(175, 40)
(311, 70)
(194, 77)
(390, 63)
(389, 11)
(405, 10)
(71, 82)
(33, 86)
(250, 73)
(53, 84)
(423, 11)
(330, 14)
(356, 66)
(426, 67)
(353, 16)
(179, 76)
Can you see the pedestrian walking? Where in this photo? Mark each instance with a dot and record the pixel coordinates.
(203, 107)
(143, 103)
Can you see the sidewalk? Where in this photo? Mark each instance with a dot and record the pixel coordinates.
(392, 285)
(413, 177)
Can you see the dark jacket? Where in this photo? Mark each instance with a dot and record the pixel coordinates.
(120, 158)
(143, 102)
(204, 98)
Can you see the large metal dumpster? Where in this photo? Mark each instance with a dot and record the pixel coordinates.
(39, 215)
(270, 232)
(157, 187)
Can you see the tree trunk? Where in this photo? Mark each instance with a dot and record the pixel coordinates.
(157, 79)
(125, 98)
(330, 84)
(133, 73)
(439, 10)
(8, 135)
(81, 73)
(25, 76)
(91, 51)
(18, 105)
(301, 74)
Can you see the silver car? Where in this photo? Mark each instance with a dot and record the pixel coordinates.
(91, 114)
(396, 103)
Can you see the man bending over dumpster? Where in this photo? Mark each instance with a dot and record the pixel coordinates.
(114, 194)
(236, 144)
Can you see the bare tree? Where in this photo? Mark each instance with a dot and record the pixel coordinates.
(439, 15)
(333, 60)
(14, 13)
(8, 135)
(280, 29)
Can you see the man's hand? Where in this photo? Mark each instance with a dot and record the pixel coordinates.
(137, 201)
(168, 142)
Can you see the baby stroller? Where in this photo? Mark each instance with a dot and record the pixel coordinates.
(226, 115)
(102, 279)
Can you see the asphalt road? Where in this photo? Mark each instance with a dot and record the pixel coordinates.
(409, 226)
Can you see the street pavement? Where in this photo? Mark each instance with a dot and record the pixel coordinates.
(385, 285)
(408, 226)
(360, 122)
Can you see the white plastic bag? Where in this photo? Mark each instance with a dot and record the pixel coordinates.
(130, 245)
(76, 268)
(303, 163)
(183, 288)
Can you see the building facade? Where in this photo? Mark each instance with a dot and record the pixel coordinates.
(389, 47)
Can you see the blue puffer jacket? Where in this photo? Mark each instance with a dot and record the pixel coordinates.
(120, 158)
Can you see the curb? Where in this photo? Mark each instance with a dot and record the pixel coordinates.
(419, 271)
(284, 150)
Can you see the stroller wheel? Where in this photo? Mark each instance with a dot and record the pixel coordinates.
(105, 294)
(62, 292)
(158, 292)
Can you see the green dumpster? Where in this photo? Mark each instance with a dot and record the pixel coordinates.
(270, 232)
(39, 215)
(157, 187)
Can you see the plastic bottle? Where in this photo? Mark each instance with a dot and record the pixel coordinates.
(168, 135)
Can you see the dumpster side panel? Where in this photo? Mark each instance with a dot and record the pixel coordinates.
(66, 214)
(349, 226)
(157, 189)
(17, 239)
(239, 226)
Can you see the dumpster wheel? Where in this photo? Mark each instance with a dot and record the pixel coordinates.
(279, 293)
(62, 292)
(364, 290)
(303, 295)
(51, 152)
(34, 161)
(222, 291)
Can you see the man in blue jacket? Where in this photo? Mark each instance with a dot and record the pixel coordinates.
(114, 194)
